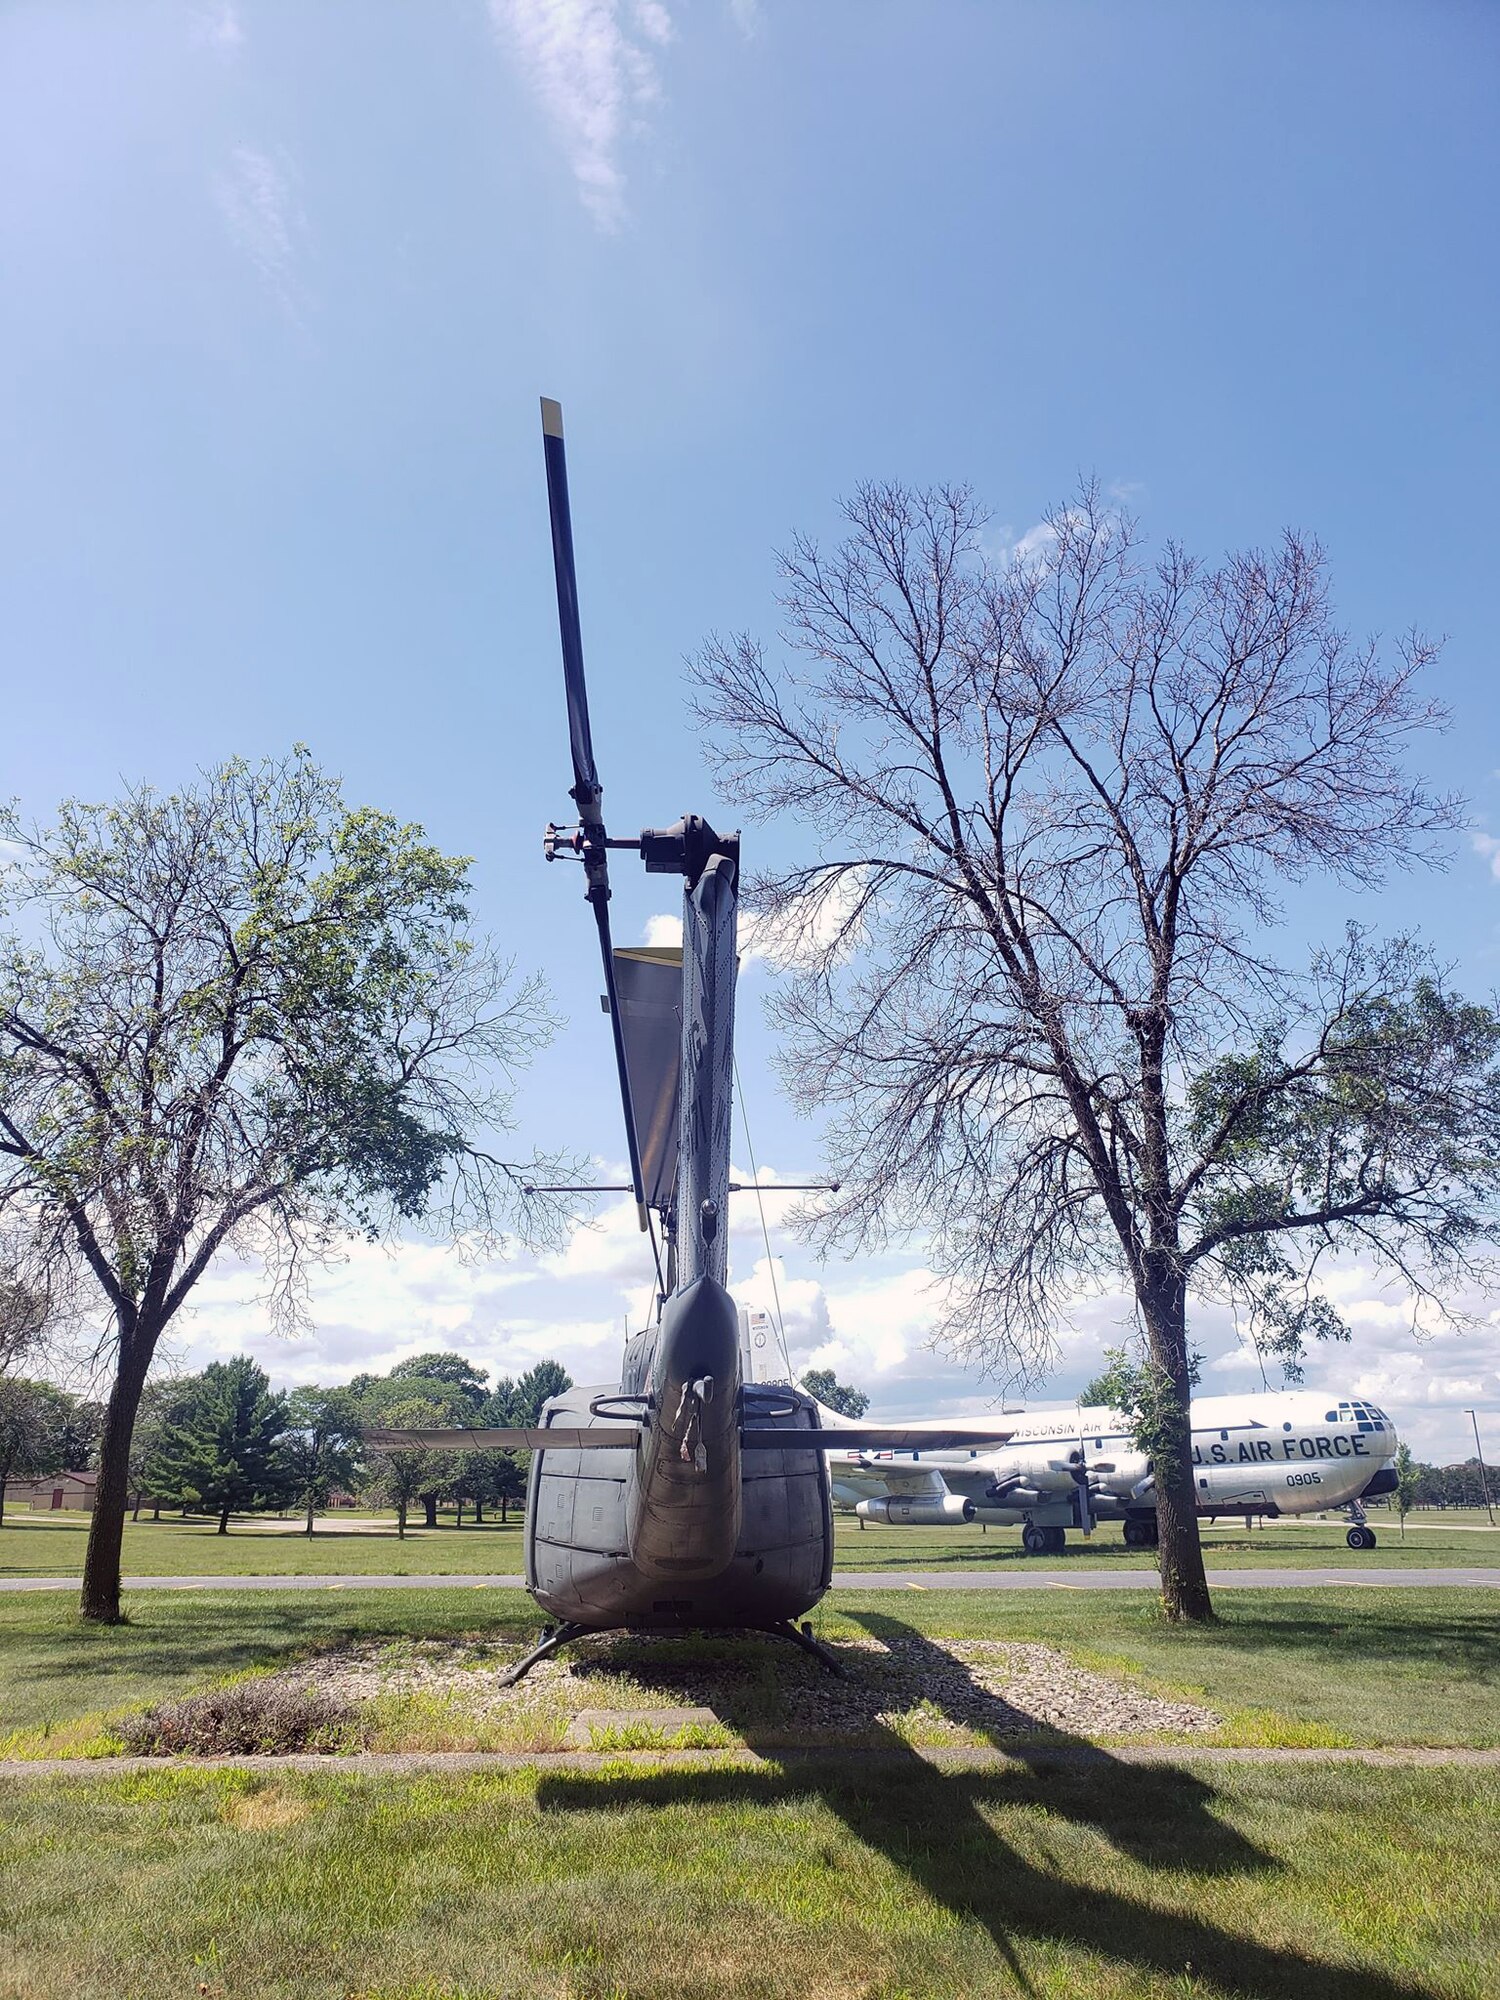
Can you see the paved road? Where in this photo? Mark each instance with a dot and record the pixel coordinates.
(927, 1579)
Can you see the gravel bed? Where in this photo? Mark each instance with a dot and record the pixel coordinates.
(764, 1691)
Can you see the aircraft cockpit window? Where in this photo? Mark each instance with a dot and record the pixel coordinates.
(1366, 1416)
(1330, 1416)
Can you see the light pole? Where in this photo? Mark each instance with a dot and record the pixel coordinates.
(1484, 1484)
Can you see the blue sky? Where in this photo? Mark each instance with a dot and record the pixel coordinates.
(283, 285)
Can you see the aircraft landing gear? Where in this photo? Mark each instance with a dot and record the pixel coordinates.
(1140, 1534)
(1360, 1535)
(1043, 1541)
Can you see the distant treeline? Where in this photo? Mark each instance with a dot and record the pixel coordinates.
(224, 1442)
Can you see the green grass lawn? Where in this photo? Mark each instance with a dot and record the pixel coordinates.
(52, 1545)
(887, 1883)
(1359, 1666)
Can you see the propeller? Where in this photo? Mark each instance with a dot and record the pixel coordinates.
(591, 843)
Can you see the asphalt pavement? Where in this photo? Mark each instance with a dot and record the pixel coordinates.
(880, 1579)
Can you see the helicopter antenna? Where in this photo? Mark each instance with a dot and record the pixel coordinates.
(589, 841)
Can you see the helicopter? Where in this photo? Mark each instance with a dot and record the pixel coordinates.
(692, 1493)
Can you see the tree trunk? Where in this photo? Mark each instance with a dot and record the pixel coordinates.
(400, 1520)
(504, 1512)
(429, 1504)
(223, 1527)
(479, 1513)
(156, 1510)
(460, 1521)
(309, 1519)
(99, 1600)
(1184, 1585)
(135, 1512)
(3, 1484)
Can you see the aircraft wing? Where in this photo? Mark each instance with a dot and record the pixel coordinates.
(597, 1437)
(927, 1435)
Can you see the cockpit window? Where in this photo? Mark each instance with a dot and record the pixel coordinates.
(1364, 1415)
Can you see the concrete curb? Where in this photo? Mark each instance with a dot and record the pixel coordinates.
(459, 1763)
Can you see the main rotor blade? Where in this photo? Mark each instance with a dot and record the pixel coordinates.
(598, 1437)
(586, 786)
(587, 790)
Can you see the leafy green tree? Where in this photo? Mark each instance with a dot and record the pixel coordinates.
(449, 1368)
(33, 1431)
(1407, 1475)
(415, 1475)
(320, 1448)
(221, 1454)
(24, 1312)
(1049, 808)
(244, 1017)
(1134, 1385)
(826, 1386)
(399, 1475)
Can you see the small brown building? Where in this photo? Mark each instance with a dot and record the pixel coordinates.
(60, 1489)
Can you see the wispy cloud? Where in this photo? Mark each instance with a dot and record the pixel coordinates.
(216, 24)
(796, 941)
(1488, 848)
(590, 63)
(257, 199)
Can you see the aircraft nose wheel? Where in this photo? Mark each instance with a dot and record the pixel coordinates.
(1360, 1538)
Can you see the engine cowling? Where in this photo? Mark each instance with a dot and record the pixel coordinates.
(1054, 1471)
(1120, 1474)
(897, 1512)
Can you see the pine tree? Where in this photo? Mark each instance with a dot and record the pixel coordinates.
(221, 1454)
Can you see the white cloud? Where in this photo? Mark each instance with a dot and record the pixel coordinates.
(216, 24)
(788, 943)
(869, 1319)
(746, 16)
(256, 197)
(1488, 848)
(589, 63)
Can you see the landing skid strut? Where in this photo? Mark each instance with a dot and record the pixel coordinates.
(552, 1637)
(555, 1636)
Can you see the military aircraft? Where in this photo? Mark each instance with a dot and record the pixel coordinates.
(687, 1493)
(1265, 1454)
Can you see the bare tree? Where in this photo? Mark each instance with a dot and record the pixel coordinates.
(1036, 977)
(243, 1018)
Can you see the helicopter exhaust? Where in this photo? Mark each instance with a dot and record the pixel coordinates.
(682, 1515)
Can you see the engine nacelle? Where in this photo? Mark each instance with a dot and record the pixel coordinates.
(946, 1512)
(1055, 1471)
(1120, 1474)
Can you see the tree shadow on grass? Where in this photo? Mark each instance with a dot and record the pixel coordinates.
(933, 1826)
